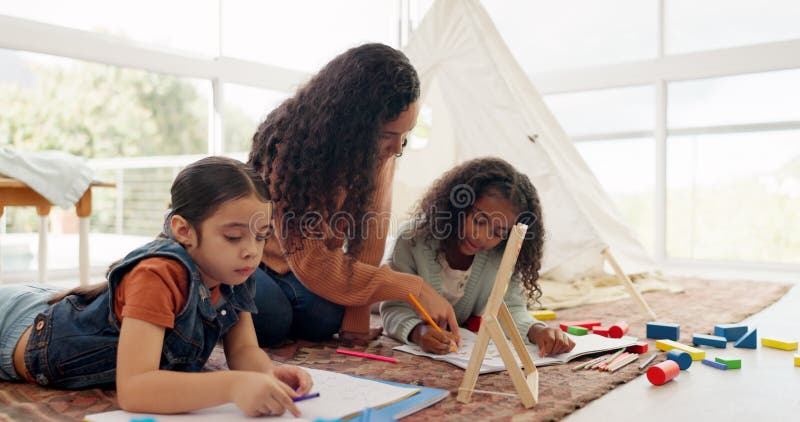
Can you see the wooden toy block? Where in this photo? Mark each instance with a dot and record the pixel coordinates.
(663, 372)
(663, 330)
(600, 331)
(638, 348)
(713, 364)
(543, 314)
(778, 344)
(618, 330)
(474, 323)
(589, 323)
(683, 359)
(731, 332)
(796, 360)
(732, 363)
(748, 341)
(707, 340)
(667, 345)
(578, 331)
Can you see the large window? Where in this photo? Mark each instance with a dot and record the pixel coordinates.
(733, 168)
(144, 94)
(99, 111)
(547, 35)
(624, 166)
(704, 25)
(245, 108)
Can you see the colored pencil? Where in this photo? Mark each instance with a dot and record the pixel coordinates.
(428, 318)
(647, 362)
(608, 359)
(366, 355)
(306, 397)
(630, 358)
(617, 359)
(590, 362)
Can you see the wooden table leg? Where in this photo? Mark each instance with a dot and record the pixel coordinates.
(44, 212)
(84, 209)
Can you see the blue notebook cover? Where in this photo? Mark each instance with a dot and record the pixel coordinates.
(426, 397)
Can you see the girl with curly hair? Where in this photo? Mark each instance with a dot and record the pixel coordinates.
(327, 156)
(455, 241)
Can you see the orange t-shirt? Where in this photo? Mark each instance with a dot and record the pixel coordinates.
(155, 290)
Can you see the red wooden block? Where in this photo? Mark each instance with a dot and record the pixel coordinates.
(589, 323)
(638, 348)
(600, 331)
(618, 330)
(474, 323)
(663, 372)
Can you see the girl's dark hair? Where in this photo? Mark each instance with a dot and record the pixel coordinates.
(441, 212)
(196, 194)
(321, 145)
(203, 186)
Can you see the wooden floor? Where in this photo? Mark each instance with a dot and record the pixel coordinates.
(766, 388)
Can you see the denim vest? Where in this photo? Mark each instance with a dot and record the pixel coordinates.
(74, 344)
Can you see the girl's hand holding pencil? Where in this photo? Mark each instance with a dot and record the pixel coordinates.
(454, 337)
(432, 341)
(436, 310)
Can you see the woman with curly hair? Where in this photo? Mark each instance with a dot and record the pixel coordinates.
(327, 156)
(455, 241)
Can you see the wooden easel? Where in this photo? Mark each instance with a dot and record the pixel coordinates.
(626, 281)
(497, 323)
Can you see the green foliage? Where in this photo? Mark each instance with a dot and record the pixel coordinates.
(97, 111)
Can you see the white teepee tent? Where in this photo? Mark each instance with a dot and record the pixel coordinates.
(483, 104)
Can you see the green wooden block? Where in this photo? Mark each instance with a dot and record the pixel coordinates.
(578, 331)
(732, 363)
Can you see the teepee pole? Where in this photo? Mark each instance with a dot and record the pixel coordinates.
(626, 281)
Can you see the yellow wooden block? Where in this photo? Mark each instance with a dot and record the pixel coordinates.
(796, 360)
(778, 344)
(543, 314)
(667, 345)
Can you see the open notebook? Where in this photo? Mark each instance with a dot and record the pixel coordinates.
(341, 396)
(584, 345)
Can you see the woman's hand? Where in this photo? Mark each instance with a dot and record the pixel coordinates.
(440, 310)
(258, 394)
(551, 341)
(295, 377)
(432, 340)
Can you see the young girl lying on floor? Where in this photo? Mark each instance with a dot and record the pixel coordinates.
(152, 327)
(455, 242)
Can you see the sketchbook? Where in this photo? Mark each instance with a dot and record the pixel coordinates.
(584, 345)
(341, 396)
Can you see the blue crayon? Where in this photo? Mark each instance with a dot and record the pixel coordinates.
(305, 397)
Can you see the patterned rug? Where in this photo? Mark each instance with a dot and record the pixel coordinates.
(700, 306)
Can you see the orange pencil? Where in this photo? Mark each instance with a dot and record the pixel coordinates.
(428, 318)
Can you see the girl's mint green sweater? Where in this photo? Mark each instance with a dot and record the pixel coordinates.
(416, 256)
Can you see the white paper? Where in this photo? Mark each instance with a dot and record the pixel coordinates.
(340, 395)
(492, 362)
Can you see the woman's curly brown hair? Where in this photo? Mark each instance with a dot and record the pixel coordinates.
(441, 212)
(324, 141)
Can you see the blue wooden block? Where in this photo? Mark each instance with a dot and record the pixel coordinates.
(713, 364)
(707, 340)
(683, 359)
(748, 341)
(663, 330)
(731, 332)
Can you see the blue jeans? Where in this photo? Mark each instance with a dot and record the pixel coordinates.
(287, 309)
(19, 305)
